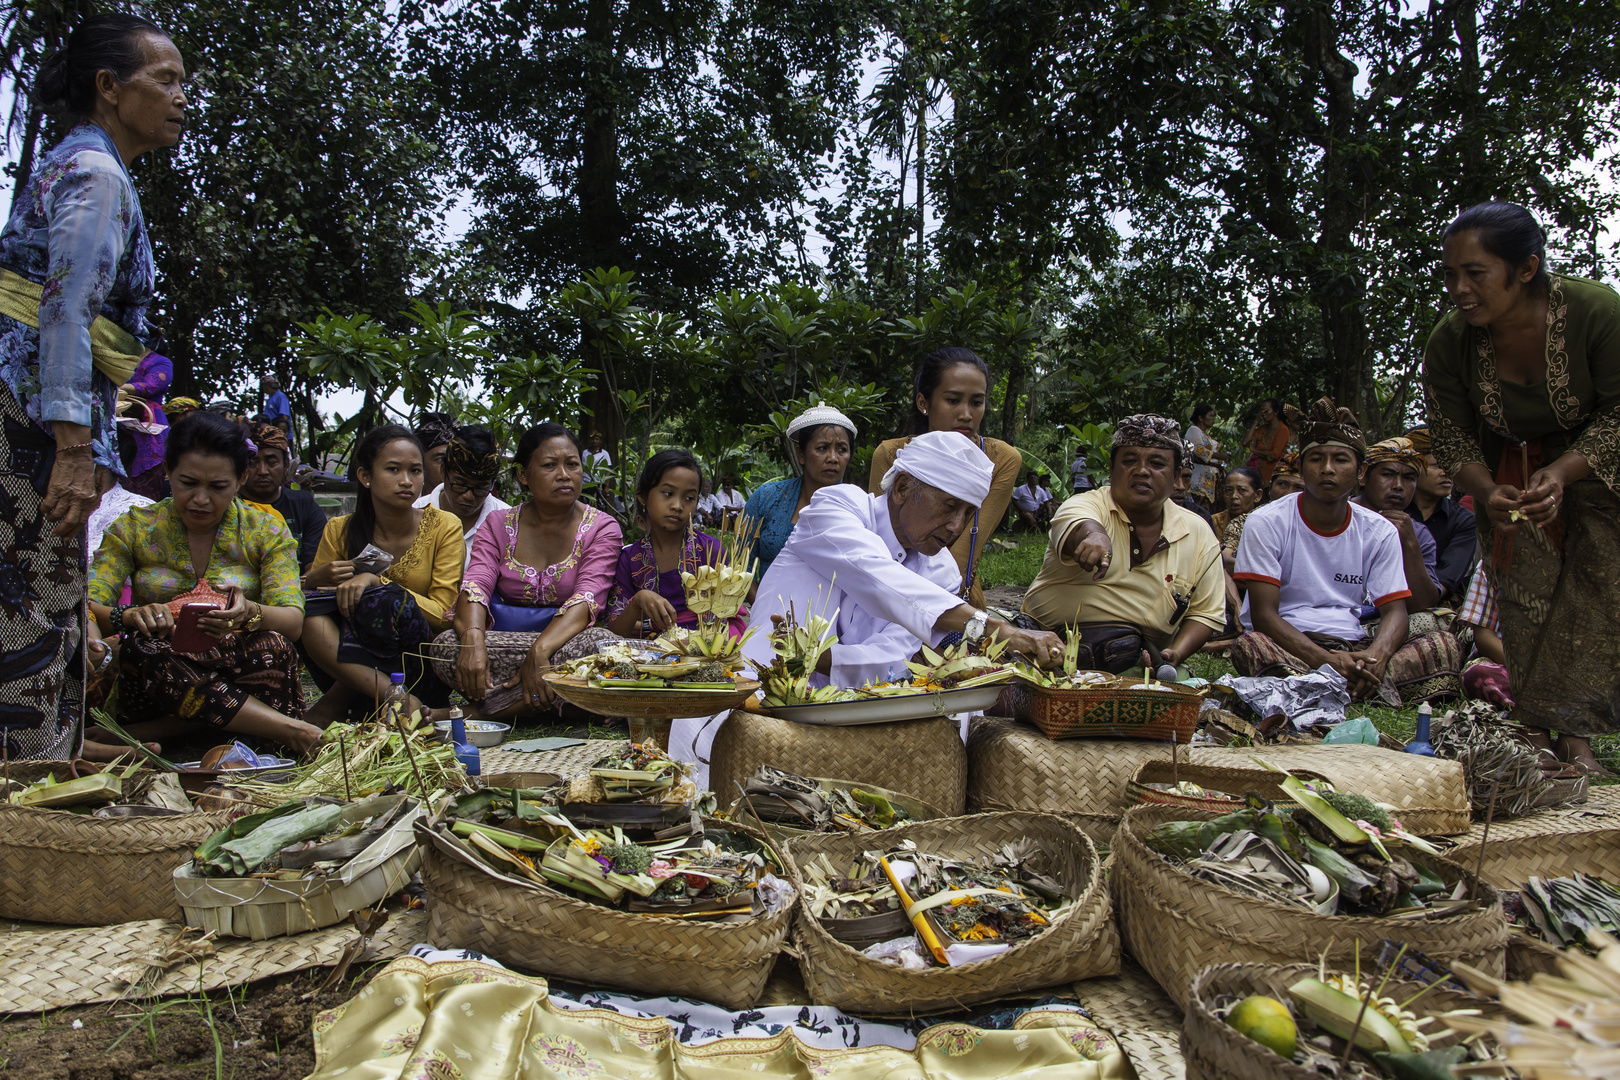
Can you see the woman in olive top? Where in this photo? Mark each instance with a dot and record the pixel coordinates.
(951, 389)
(1523, 388)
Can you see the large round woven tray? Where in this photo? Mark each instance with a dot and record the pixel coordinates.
(924, 759)
(650, 704)
(1429, 794)
(543, 929)
(1014, 767)
(1176, 925)
(81, 870)
(1214, 1051)
(1082, 942)
(1114, 711)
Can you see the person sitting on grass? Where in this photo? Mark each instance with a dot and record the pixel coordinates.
(539, 577)
(472, 463)
(648, 596)
(1448, 521)
(1135, 571)
(1389, 476)
(1033, 513)
(382, 618)
(245, 681)
(266, 485)
(1285, 479)
(1310, 561)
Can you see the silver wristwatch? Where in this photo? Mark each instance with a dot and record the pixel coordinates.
(973, 632)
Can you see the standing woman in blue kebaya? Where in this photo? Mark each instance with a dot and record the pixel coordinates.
(76, 277)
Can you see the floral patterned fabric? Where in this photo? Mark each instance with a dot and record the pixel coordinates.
(1206, 474)
(147, 545)
(584, 576)
(464, 1020)
(772, 506)
(76, 229)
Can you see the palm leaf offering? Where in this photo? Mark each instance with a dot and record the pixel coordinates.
(366, 759)
(1564, 911)
(784, 799)
(1569, 1024)
(799, 648)
(996, 899)
(709, 874)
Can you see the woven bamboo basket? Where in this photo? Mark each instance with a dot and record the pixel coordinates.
(1429, 794)
(1236, 783)
(79, 870)
(1014, 767)
(1108, 712)
(1082, 942)
(543, 929)
(1176, 925)
(924, 759)
(1214, 1051)
(1514, 860)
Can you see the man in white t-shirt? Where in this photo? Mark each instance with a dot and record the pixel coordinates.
(1311, 561)
(729, 500)
(1033, 504)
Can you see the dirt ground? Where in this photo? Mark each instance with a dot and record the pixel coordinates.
(260, 1030)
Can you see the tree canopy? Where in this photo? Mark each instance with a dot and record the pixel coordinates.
(685, 218)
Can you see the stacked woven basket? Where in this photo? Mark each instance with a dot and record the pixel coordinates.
(81, 870)
(1176, 925)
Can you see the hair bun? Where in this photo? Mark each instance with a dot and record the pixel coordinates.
(50, 83)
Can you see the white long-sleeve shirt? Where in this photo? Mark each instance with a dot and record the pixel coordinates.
(844, 557)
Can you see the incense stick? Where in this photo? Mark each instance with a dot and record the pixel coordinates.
(1175, 765)
(343, 750)
(1490, 812)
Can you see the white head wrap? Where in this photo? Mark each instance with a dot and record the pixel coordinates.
(947, 460)
(816, 415)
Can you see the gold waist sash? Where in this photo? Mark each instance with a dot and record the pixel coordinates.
(114, 351)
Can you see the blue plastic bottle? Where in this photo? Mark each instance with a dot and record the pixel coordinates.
(466, 752)
(1420, 741)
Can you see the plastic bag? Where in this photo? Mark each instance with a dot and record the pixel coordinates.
(1356, 729)
(1317, 697)
(372, 560)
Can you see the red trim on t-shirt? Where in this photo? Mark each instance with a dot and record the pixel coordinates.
(1392, 597)
(1300, 504)
(1246, 576)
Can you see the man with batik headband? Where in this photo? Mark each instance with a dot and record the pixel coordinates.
(1389, 476)
(1285, 477)
(265, 483)
(471, 464)
(1448, 521)
(1127, 568)
(434, 430)
(1313, 559)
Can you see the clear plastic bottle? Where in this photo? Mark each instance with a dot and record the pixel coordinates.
(396, 703)
(466, 753)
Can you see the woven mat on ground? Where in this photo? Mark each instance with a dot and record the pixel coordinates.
(569, 761)
(52, 969)
(1131, 1007)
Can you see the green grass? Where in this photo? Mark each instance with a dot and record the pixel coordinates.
(1016, 567)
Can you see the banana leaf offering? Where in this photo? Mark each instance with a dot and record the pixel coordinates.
(1304, 859)
(717, 874)
(250, 844)
(779, 798)
(1563, 911)
(960, 909)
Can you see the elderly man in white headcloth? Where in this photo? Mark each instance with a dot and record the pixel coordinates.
(883, 564)
(880, 566)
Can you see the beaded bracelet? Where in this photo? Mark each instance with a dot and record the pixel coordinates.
(116, 620)
(75, 446)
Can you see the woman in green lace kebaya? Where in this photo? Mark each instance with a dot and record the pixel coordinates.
(1523, 387)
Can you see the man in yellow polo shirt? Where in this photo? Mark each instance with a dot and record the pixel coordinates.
(1126, 566)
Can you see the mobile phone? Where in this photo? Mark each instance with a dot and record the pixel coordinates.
(187, 636)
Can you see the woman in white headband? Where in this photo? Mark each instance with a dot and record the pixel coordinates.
(824, 439)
